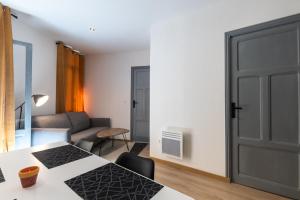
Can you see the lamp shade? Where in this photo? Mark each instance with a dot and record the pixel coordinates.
(40, 99)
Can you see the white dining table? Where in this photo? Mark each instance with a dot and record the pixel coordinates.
(51, 182)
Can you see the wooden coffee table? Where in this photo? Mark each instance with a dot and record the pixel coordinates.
(111, 132)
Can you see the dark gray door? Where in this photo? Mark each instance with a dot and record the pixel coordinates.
(264, 83)
(140, 104)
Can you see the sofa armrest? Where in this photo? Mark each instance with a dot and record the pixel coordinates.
(100, 122)
(48, 135)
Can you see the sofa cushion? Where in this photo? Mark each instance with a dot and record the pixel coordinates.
(50, 121)
(79, 121)
(88, 134)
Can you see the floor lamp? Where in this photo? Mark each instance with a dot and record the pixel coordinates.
(38, 99)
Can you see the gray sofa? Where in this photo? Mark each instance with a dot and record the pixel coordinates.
(69, 127)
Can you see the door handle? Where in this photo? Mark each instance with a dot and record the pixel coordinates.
(134, 102)
(234, 108)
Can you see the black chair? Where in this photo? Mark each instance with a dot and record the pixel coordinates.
(140, 165)
(84, 144)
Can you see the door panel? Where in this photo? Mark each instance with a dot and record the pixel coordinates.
(264, 84)
(249, 99)
(269, 165)
(140, 109)
(270, 48)
(284, 108)
(141, 98)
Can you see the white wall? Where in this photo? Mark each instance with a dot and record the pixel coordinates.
(187, 75)
(43, 64)
(19, 59)
(108, 85)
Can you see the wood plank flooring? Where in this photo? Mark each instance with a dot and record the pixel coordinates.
(206, 188)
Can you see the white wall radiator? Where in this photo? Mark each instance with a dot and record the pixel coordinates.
(172, 143)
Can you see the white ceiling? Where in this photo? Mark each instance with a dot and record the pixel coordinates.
(121, 25)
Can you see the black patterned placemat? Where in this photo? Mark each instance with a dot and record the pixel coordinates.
(60, 155)
(2, 179)
(113, 182)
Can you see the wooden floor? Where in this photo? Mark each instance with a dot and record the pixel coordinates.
(206, 188)
(199, 186)
(202, 187)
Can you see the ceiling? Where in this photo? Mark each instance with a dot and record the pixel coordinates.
(120, 25)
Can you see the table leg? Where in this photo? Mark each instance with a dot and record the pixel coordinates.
(112, 141)
(124, 138)
(100, 149)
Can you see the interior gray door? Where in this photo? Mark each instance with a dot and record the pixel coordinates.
(264, 70)
(140, 103)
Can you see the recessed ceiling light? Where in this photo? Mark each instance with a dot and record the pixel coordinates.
(92, 28)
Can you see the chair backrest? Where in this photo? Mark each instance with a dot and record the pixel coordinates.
(86, 145)
(140, 165)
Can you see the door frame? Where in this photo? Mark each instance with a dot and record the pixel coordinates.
(23, 136)
(228, 36)
(133, 68)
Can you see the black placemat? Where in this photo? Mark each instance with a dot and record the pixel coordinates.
(2, 179)
(113, 182)
(60, 155)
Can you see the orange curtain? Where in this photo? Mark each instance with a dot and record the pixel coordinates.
(78, 83)
(69, 80)
(69, 85)
(7, 99)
